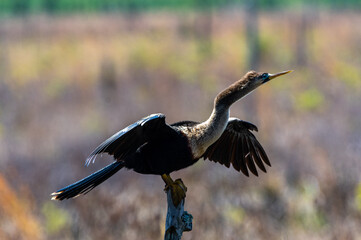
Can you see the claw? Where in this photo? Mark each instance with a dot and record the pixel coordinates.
(177, 188)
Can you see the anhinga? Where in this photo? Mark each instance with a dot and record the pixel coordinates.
(151, 146)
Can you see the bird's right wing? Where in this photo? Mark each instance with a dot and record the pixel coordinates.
(239, 147)
(132, 137)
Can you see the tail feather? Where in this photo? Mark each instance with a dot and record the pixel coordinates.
(84, 185)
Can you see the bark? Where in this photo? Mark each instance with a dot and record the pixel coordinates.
(178, 220)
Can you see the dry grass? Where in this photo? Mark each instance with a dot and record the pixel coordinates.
(67, 83)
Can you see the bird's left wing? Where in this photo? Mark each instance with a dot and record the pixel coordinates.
(130, 138)
(239, 147)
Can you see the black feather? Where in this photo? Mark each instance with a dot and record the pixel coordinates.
(255, 156)
(243, 157)
(84, 185)
(239, 147)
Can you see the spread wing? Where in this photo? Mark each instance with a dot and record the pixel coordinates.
(239, 147)
(132, 137)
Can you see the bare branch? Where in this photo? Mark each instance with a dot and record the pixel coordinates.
(178, 220)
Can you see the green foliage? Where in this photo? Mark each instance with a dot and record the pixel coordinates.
(234, 214)
(55, 218)
(358, 197)
(311, 99)
(55, 88)
(304, 209)
(349, 74)
(20, 7)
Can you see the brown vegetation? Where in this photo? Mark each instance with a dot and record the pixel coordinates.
(67, 83)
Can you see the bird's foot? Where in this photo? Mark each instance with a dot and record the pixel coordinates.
(177, 188)
(178, 191)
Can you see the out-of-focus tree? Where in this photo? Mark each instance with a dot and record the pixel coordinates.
(108, 82)
(252, 34)
(203, 26)
(303, 28)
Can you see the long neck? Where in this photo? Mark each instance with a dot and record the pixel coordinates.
(217, 122)
(233, 93)
(209, 131)
(214, 126)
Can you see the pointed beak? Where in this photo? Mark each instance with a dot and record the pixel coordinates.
(272, 76)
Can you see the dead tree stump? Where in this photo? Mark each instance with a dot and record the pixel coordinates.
(178, 220)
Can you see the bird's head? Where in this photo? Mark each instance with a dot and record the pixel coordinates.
(244, 86)
(255, 79)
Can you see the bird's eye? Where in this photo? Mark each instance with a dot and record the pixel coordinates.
(264, 75)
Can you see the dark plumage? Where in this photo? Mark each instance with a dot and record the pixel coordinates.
(151, 146)
(236, 145)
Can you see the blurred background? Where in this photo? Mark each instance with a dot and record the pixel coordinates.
(72, 73)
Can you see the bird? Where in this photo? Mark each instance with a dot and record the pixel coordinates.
(151, 146)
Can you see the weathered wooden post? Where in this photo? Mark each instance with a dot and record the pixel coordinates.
(178, 220)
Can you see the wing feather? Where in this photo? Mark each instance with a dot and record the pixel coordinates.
(262, 153)
(220, 152)
(239, 147)
(249, 160)
(243, 157)
(132, 137)
(255, 156)
(228, 152)
(236, 161)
